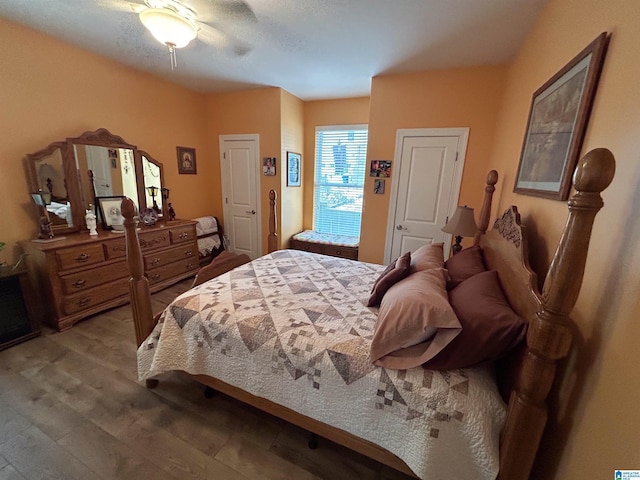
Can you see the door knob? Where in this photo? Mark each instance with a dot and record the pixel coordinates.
(400, 227)
(252, 212)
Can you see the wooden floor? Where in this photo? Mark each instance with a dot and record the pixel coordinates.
(71, 408)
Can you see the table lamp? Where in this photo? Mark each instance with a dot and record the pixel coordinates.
(153, 191)
(461, 224)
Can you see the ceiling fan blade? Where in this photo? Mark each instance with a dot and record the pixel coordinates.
(122, 5)
(236, 9)
(222, 41)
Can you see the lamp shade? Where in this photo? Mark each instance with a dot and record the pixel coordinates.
(462, 223)
(168, 27)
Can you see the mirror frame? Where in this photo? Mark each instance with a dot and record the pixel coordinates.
(102, 138)
(71, 180)
(142, 197)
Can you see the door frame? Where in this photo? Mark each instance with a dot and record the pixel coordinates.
(224, 179)
(463, 137)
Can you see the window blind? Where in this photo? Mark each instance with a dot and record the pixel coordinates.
(341, 154)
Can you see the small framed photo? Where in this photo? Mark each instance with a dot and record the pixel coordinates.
(378, 187)
(269, 166)
(293, 169)
(380, 168)
(186, 160)
(109, 211)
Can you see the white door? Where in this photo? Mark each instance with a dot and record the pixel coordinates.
(99, 163)
(425, 186)
(240, 166)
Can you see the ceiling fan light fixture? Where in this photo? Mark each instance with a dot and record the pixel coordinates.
(168, 27)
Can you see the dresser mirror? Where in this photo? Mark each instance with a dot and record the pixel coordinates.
(96, 164)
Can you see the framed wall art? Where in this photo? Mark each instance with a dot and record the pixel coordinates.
(557, 122)
(293, 169)
(380, 168)
(269, 166)
(378, 186)
(186, 160)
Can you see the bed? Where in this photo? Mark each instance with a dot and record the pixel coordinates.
(427, 438)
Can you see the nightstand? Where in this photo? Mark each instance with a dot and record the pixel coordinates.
(18, 321)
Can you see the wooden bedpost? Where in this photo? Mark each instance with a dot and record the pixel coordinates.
(272, 239)
(550, 332)
(485, 211)
(138, 283)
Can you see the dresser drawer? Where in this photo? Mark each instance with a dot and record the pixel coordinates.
(160, 259)
(89, 278)
(307, 246)
(183, 234)
(342, 252)
(80, 256)
(167, 271)
(95, 296)
(115, 248)
(154, 239)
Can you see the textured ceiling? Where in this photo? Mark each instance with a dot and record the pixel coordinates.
(314, 49)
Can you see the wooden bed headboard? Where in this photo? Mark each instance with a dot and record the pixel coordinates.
(505, 250)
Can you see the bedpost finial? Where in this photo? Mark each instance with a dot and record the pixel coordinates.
(595, 171)
(128, 208)
(272, 195)
(492, 177)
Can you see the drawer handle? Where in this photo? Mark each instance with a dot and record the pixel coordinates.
(82, 258)
(188, 253)
(79, 283)
(182, 236)
(155, 276)
(155, 261)
(190, 266)
(84, 301)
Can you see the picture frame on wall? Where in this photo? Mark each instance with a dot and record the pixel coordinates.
(269, 166)
(293, 169)
(380, 168)
(557, 122)
(186, 160)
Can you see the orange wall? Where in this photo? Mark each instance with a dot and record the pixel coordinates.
(595, 419)
(291, 200)
(250, 112)
(467, 97)
(51, 90)
(325, 112)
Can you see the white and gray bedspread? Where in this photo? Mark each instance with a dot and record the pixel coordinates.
(293, 327)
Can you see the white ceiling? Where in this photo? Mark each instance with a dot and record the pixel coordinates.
(314, 49)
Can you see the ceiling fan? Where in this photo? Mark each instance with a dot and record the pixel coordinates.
(175, 23)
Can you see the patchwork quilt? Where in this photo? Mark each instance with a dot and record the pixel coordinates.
(293, 327)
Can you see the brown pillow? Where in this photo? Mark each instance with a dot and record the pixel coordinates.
(464, 264)
(415, 321)
(394, 272)
(490, 328)
(427, 257)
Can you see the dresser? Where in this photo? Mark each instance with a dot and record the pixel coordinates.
(83, 275)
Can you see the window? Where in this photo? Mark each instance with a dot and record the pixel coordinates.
(341, 155)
